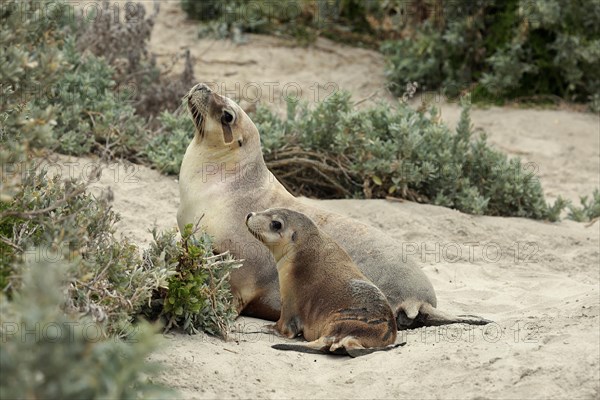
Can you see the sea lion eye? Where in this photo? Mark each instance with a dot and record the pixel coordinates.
(227, 117)
(275, 225)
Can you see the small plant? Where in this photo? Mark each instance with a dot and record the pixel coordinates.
(589, 210)
(198, 296)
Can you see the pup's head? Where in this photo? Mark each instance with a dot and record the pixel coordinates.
(281, 229)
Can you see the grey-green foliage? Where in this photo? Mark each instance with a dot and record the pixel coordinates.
(589, 210)
(67, 100)
(167, 147)
(49, 354)
(90, 113)
(352, 21)
(198, 296)
(123, 44)
(109, 282)
(30, 61)
(508, 48)
(57, 221)
(383, 151)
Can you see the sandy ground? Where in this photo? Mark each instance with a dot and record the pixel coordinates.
(538, 281)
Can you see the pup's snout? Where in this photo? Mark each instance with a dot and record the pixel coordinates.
(248, 216)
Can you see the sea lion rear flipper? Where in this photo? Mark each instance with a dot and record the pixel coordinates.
(431, 316)
(363, 352)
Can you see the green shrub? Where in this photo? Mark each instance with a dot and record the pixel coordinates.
(31, 61)
(183, 282)
(351, 21)
(90, 114)
(509, 49)
(123, 44)
(167, 147)
(198, 296)
(333, 150)
(589, 210)
(47, 353)
(53, 94)
(109, 282)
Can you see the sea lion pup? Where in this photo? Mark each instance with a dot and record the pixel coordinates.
(224, 177)
(324, 296)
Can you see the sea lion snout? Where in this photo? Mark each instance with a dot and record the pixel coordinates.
(248, 216)
(201, 87)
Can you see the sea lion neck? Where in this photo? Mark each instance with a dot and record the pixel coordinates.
(226, 165)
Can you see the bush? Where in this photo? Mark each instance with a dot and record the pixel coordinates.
(77, 103)
(334, 151)
(109, 283)
(198, 296)
(507, 49)
(167, 147)
(31, 60)
(123, 44)
(351, 21)
(589, 210)
(90, 114)
(55, 96)
(46, 353)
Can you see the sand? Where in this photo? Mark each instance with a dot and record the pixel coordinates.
(544, 300)
(538, 281)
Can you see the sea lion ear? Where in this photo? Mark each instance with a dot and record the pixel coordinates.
(294, 236)
(227, 134)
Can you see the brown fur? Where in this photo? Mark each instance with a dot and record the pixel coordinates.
(324, 296)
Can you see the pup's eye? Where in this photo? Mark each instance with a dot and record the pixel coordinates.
(275, 225)
(227, 117)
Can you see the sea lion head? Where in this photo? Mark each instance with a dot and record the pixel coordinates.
(281, 229)
(221, 124)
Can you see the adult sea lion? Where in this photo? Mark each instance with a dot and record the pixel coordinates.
(223, 177)
(324, 296)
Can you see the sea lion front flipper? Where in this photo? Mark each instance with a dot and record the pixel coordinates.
(313, 348)
(299, 348)
(269, 329)
(319, 346)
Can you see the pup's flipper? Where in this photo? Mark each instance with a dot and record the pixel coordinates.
(299, 348)
(324, 349)
(363, 352)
